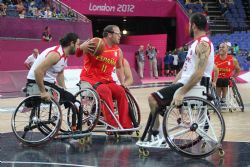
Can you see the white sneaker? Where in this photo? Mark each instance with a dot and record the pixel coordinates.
(156, 142)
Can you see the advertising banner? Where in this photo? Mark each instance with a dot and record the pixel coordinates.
(153, 8)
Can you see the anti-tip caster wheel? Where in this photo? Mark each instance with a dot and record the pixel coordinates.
(221, 152)
(117, 137)
(82, 141)
(137, 133)
(143, 151)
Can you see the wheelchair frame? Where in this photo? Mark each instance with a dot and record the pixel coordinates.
(42, 120)
(196, 117)
(233, 98)
(109, 129)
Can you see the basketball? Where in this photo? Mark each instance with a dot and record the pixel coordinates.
(98, 46)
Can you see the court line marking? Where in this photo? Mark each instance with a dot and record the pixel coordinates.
(44, 163)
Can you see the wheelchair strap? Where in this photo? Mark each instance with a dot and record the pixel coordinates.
(96, 85)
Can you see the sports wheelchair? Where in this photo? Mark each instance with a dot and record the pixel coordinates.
(234, 101)
(91, 103)
(36, 121)
(195, 129)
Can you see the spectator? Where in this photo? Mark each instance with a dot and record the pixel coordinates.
(167, 63)
(190, 11)
(236, 48)
(3, 8)
(175, 62)
(182, 56)
(31, 59)
(20, 9)
(47, 13)
(46, 36)
(152, 56)
(140, 58)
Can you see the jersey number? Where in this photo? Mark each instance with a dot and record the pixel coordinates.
(104, 68)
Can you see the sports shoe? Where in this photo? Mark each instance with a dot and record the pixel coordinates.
(155, 141)
(223, 104)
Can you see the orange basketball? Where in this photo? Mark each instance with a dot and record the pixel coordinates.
(99, 46)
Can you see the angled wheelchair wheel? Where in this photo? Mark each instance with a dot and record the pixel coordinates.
(237, 96)
(134, 109)
(90, 106)
(196, 129)
(36, 121)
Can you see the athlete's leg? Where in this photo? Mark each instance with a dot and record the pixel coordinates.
(106, 94)
(119, 94)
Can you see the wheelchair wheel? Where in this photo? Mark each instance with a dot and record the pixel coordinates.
(90, 105)
(196, 129)
(134, 109)
(36, 121)
(237, 96)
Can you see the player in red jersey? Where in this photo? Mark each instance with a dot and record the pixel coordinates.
(228, 67)
(97, 71)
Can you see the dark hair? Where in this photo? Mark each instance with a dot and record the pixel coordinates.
(108, 29)
(68, 38)
(199, 20)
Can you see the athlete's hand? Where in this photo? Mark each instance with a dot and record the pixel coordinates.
(88, 46)
(45, 96)
(178, 97)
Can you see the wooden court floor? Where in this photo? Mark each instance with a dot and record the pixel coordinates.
(237, 123)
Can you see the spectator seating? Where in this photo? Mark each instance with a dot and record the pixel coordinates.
(236, 16)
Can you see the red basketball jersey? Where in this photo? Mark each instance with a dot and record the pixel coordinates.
(225, 67)
(99, 68)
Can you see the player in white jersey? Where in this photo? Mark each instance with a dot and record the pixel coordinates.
(199, 63)
(48, 69)
(127, 73)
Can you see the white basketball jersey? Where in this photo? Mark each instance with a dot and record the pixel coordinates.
(191, 59)
(115, 78)
(52, 72)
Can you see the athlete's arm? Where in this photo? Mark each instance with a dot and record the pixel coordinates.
(51, 59)
(236, 68)
(119, 67)
(128, 74)
(202, 50)
(60, 79)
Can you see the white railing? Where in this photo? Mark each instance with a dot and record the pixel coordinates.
(79, 16)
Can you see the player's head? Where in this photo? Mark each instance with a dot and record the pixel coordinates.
(197, 22)
(223, 48)
(112, 33)
(70, 40)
